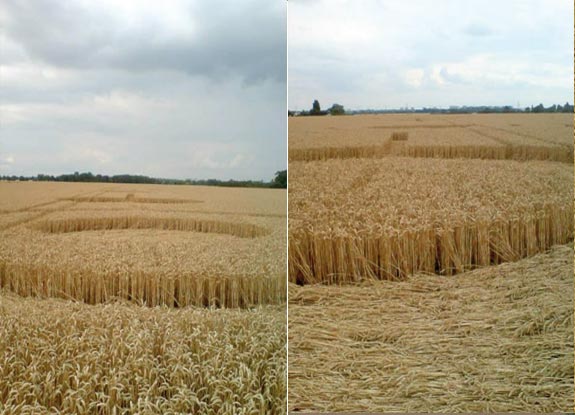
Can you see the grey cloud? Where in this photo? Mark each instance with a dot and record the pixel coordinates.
(187, 135)
(477, 29)
(90, 86)
(451, 77)
(248, 42)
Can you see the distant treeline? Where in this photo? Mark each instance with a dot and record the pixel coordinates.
(337, 109)
(278, 182)
(483, 109)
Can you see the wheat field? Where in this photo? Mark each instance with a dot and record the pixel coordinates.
(483, 136)
(58, 356)
(142, 299)
(93, 250)
(497, 339)
(431, 263)
(385, 219)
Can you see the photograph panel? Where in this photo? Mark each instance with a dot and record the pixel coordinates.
(430, 207)
(143, 207)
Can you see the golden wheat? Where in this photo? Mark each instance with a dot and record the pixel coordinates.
(499, 339)
(346, 152)
(445, 136)
(169, 288)
(130, 198)
(141, 346)
(555, 129)
(385, 219)
(155, 255)
(507, 152)
(59, 356)
(25, 196)
(242, 230)
(399, 136)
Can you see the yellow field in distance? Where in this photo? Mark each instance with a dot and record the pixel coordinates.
(151, 244)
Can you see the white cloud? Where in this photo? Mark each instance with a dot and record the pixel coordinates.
(100, 156)
(242, 160)
(414, 77)
(9, 159)
(386, 53)
(436, 75)
(6, 162)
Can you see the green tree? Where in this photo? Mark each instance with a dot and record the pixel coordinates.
(315, 109)
(337, 109)
(280, 180)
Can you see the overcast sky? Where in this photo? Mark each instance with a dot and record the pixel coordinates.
(170, 88)
(393, 53)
